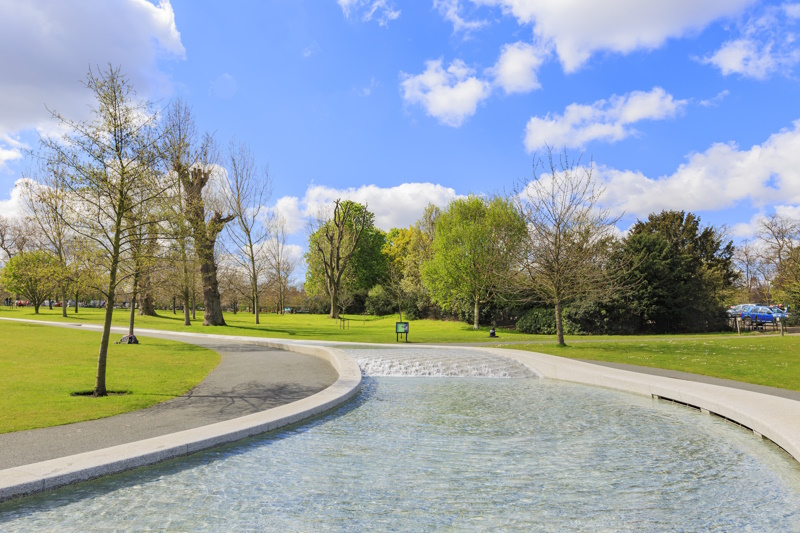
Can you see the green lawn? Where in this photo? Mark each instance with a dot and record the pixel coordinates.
(299, 326)
(161, 368)
(42, 366)
(302, 326)
(769, 360)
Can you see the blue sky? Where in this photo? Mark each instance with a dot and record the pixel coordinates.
(680, 104)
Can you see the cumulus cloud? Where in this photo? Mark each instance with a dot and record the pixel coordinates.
(721, 177)
(14, 207)
(766, 45)
(605, 120)
(382, 11)
(394, 207)
(578, 29)
(48, 46)
(451, 96)
(515, 70)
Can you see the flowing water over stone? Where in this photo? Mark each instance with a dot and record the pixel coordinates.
(442, 453)
(445, 362)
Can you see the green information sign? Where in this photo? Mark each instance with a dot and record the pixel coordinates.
(401, 328)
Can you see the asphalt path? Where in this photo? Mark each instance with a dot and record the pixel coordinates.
(249, 378)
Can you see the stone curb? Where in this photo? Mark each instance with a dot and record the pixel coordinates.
(774, 418)
(46, 475)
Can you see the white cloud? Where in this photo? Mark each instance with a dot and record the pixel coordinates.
(578, 29)
(394, 207)
(14, 207)
(381, 10)
(766, 45)
(605, 120)
(721, 177)
(515, 70)
(451, 11)
(451, 96)
(49, 45)
(289, 208)
(714, 102)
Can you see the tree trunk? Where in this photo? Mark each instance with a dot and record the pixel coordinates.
(255, 302)
(133, 313)
(194, 306)
(76, 302)
(147, 306)
(35, 308)
(334, 302)
(174, 305)
(477, 316)
(211, 298)
(559, 325)
(64, 302)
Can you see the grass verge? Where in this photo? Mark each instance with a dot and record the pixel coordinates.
(769, 360)
(301, 326)
(42, 366)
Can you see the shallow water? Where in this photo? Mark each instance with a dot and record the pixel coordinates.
(442, 453)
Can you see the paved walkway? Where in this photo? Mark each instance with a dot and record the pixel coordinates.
(250, 378)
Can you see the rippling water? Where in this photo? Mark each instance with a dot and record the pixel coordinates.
(440, 453)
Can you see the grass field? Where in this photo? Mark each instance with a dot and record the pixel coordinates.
(301, 326)
(159, 369)
(769, 360)
(42, 366)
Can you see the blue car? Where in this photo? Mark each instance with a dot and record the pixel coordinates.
(777, 312)
(759, 314)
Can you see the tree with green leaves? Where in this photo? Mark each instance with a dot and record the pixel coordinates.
(681, 275)
(472, 252)
(33, 275)
(112, 169)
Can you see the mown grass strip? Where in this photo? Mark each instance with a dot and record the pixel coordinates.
(42, 366)
(769, 360)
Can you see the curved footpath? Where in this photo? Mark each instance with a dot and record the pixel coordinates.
(259, 386)
(238, 391)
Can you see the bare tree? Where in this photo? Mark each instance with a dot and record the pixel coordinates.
(780, 239)
(249, 191)
(17, 235)
(110, 161)
(281, 264)
(333, 241)
(46, 199)
(569, 234)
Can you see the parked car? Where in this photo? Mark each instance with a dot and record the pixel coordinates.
(736, 310)
(759, 314)
(779, 312)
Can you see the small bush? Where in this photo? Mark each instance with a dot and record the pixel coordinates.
(542, 321)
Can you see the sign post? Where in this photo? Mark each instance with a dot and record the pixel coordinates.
(401, 328)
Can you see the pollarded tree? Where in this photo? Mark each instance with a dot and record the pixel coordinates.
(569, 235)
(473, 252)
(194, 166)
(32, 275)
(110, 160)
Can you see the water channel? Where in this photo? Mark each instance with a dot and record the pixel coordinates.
(494, 448)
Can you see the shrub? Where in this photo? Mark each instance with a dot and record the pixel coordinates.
(542, 321)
